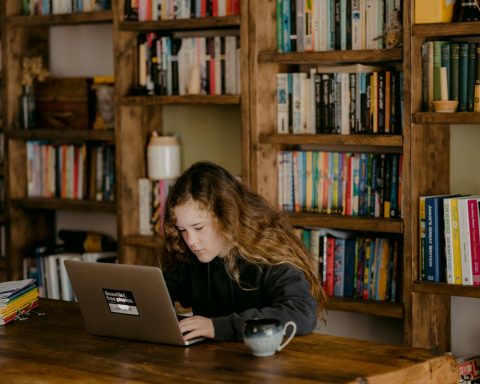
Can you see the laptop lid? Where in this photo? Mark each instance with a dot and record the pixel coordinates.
(125, 301)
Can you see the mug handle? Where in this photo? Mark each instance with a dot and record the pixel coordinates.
(294, 331)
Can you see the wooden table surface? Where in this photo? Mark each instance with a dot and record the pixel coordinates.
(54, 348)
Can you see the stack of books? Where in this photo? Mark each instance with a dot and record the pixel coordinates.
(17, 298)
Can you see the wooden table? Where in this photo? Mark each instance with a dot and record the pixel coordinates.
(54, 348)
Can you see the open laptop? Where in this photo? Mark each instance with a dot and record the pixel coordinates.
(125, 301)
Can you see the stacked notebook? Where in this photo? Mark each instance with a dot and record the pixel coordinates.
(17, 298)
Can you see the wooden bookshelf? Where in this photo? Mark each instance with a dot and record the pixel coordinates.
(431, 302)
(33, 219)
(195, 24)
(63, 19)
(266, 142)
(371, 56)
(138, 115)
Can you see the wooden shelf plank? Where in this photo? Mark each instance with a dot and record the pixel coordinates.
(143, 241)
(446, 118)
(189, 99)
(58, 134)
(446, 289)
(182, 24)
(333, 57)
(446, 29)
(366, 224)
(374, 308)
(330, 139)
(65, 204)
(62, 19)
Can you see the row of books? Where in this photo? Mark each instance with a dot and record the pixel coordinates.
(17, 298)
(355, 266)
(190, 65)
(353, 184)
(70, 171)
(51, 275)
(449, 240)
(152, 195)
(325, 25)
(344, 99)
(52, 7)
(458, 63)
(153, 10)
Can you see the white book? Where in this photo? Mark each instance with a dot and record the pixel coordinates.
(282, 103)
(222, 7)
(465, 252)
(52, 277)
(230, 64)
(300, 25)
(448, 230)
(144, 207)
(323, 22)
(218, 64)
(358, 24)
(280, 180)
(185, 64)
(316, 24)
(370, 20)
(345, 103)
(66, 291)
(312, 121)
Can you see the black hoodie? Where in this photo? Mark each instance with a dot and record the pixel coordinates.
(280, 292)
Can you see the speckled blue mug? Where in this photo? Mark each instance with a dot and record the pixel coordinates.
(264, 336)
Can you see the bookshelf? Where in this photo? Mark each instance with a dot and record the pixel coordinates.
(266, 143)
(3, 164)
(33, 218)
(431, 302)
(139, 115)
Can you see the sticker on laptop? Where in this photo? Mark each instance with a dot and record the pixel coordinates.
(121, 302)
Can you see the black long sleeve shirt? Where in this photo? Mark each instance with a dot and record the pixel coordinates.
(279, 291)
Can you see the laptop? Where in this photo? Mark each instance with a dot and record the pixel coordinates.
(125, 301)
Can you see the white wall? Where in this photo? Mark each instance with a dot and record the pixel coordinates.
(71, 55)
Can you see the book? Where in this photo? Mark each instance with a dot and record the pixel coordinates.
(435, 242)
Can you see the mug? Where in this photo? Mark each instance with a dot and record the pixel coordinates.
(264, 336)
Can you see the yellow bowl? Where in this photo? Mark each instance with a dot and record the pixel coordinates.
(445, 105)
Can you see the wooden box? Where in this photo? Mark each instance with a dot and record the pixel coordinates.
(65, 103)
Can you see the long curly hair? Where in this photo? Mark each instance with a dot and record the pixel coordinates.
(254, 231)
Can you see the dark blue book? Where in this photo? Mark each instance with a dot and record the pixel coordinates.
(349, 274)
(462, 77)
(435, 262)
(471, 63)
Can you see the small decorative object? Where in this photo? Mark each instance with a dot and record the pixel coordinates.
(32, 70)
(163, 157)
(467, 10)
(105, 102)
(393, 30)
(445, 105)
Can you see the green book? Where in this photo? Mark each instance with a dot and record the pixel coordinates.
(462, 77)
(437, 63)
(471, 75)
(454, 63)
(445, 62)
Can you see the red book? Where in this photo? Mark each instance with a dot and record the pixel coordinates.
(330, 256)
(473, 221)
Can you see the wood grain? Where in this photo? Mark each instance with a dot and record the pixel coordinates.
(55, 348)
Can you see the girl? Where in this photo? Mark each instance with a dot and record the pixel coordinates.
(230, 257)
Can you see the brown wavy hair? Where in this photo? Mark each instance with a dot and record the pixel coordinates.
(256, 232)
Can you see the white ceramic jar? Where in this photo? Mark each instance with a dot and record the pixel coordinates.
(163, 157)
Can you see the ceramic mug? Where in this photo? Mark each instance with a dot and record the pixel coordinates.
(264, 336)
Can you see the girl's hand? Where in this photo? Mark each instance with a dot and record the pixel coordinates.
(197, 326)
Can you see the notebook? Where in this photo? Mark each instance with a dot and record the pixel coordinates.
(125, 301)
